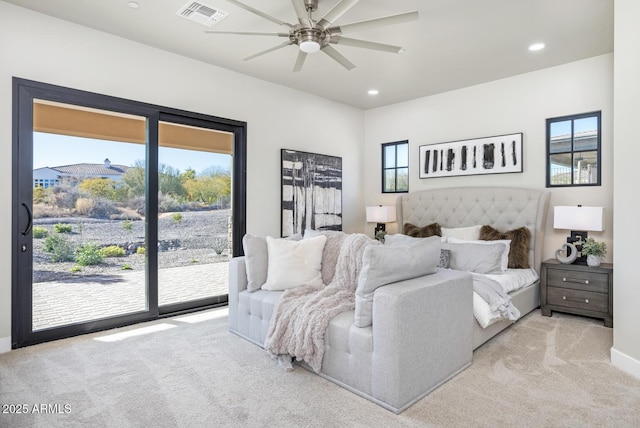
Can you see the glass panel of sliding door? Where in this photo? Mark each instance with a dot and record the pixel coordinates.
(194, 215)
(88, 234)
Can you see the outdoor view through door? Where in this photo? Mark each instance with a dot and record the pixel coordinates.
(123, 223)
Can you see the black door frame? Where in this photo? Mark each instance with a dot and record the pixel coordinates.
(24, 94)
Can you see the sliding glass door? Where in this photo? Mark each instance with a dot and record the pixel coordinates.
(123, 211)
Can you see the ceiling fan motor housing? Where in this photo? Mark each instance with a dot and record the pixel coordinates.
(311, 5)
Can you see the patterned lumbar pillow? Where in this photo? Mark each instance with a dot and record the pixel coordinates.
(432, 229)
(519, 249)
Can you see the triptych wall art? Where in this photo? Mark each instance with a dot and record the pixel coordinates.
(311, 192)
(489, 155)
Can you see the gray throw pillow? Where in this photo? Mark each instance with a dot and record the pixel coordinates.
(478, 258)
(257, 260)
(386, 264)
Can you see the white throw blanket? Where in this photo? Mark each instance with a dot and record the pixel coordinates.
(301, 318)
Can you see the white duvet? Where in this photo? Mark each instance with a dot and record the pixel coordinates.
(511, 280)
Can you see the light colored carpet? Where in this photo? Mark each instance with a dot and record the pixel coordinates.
(192, 372)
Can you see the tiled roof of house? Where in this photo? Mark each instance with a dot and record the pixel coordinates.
(92, 169)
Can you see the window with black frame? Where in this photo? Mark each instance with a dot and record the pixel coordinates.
(574, 150)
(395, 167)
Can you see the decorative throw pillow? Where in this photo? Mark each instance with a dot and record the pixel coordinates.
(520, 238)
(504, 262)
(330, 252)
(400, 239)
(383, 264)
(294, 263)
(470, 233)
(256, 259)
(422, 232)
(478, 258)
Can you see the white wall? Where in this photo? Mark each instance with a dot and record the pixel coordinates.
(517, 104)
(625, 353)
(41, 48)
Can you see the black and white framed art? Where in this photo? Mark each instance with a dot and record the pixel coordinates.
(488, 155)
(311, 192)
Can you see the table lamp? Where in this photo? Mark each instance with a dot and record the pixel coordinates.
(381, 215)
(579, 220)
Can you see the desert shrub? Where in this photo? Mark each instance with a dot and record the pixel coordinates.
(84, 206)
(75, 269)
(39, 195)
(167, 203)
(219, 245)
(112, 251)
(99, 187)
(127, 225)
(62, 228)
(44, 211)
(177, 218)
(102, 208)
(126, 266)
(88, 254)
(63, 197)
(141, 250)
(59, 247)
(40, 232)
(137, 204)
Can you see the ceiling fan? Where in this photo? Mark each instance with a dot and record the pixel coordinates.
(312, 35)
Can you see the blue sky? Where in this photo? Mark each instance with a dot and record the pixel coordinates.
(57, 150)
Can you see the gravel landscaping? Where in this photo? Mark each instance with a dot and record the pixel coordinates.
(185, 238)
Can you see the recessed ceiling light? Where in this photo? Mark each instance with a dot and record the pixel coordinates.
(536, 47)
(373, 92)
(133, 5)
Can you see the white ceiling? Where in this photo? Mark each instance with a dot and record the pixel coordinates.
(454, 44)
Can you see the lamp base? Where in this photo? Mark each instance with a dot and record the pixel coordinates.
(380, 227)
(577, 238)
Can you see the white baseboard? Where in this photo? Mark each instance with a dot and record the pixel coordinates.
(625, 363)
(5, 344)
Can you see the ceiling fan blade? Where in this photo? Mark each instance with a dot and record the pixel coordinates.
(248, 33)
(300, 61)
(259, 13)
(368, 45)
(275, 48)
(301, 11)
(338, 10)
(378, 22)
(337, 56)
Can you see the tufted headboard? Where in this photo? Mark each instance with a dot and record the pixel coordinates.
(504, 208)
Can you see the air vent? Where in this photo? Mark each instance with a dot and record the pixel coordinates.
(202, 14)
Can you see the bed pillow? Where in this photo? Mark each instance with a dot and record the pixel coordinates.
(520, 239)
(470, 233)
(475, 257)
(385, 264)
(504, 262)
(330, 251)
(256, 259)
(421, 232)
(293, 264)
(400, 239)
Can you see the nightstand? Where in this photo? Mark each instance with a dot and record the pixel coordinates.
(577, 289)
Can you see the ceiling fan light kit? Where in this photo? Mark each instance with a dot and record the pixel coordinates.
(311, 35)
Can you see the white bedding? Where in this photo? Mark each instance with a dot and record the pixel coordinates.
(512, 280)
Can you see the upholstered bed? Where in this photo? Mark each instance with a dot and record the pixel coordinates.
(504, 208)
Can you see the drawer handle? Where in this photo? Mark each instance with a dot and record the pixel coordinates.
(585, 300)
(579, 281)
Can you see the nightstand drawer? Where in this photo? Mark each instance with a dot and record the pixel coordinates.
(579, 280)
(579, 299)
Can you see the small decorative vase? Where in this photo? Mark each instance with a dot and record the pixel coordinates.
(593, 260)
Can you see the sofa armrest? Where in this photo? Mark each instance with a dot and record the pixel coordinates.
(237, 283)
(422, 335)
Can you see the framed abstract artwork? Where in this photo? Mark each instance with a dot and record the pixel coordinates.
(488, 155)
(311, 192)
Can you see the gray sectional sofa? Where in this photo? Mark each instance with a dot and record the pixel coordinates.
(423, 332)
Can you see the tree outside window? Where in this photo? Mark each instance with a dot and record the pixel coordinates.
(395, 167)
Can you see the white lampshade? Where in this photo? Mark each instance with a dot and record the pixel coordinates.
(579, 218)
(381, 214)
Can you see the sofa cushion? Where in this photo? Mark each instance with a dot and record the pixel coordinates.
(520, 239)
(383, 264)
(256, 259)
(293, 264)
